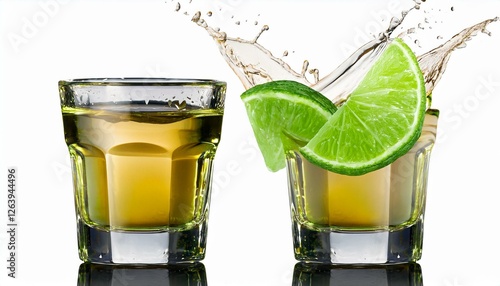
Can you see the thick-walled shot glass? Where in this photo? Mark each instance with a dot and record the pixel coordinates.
(142, 151)
(373, 218)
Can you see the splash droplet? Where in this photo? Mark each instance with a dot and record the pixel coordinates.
(196, 17)
(264, 28)
(305, 66)
(315, 73)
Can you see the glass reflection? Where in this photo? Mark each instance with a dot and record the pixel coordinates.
(133, 275)
(341, 275)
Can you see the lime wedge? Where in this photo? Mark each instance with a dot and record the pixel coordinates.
(380, 121)
(284, 115)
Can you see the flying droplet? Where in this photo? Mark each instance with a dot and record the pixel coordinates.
(177, 7)
(196, 17)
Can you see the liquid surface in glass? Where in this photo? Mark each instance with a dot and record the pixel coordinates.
(141, 170)
(388, 198)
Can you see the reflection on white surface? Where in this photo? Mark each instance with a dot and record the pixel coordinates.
(380, 275)
(108, 275)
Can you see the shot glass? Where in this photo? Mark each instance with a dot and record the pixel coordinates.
(142, 152)
(376, 218)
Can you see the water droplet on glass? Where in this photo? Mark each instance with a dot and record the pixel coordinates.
(285, 53)
(177, 7)
(452, 8)
(237, 22)
(209, 13)
(181, 105)
(256, 23)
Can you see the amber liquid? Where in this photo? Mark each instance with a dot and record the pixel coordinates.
(388, 198)
(141, 169)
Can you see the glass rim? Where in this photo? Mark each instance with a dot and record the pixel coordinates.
(134, 81)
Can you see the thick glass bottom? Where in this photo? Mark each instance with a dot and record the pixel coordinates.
(358, 247)
(141, 247)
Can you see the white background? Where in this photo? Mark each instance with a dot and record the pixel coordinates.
(249, 239)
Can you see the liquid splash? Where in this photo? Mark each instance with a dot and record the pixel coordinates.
(433, 63)
(254, 64)
(251, 62)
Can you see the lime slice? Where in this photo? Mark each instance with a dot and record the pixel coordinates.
(380, 121)
(284, 115)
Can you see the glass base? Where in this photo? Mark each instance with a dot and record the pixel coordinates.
(141, 247)
(358, 247)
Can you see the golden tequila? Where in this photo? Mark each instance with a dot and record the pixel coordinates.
(386, 203)
(141, 170)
